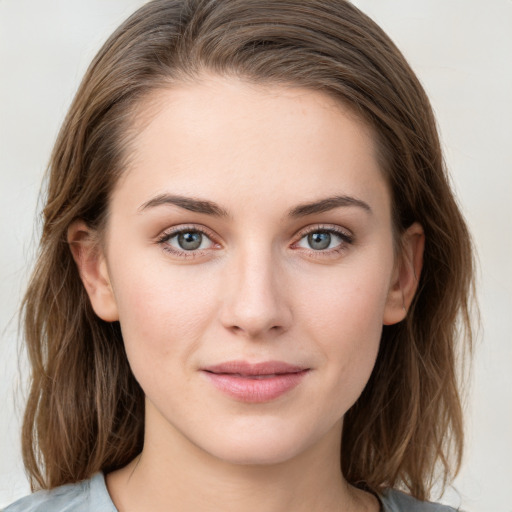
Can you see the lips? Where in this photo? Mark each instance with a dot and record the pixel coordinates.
(255, 383)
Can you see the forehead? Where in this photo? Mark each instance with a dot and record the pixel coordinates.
(230, 138)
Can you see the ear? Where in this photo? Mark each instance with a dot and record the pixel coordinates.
(406, 274)
(93, 270)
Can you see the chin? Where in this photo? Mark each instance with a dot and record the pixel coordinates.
(264, 454)
(269, 443)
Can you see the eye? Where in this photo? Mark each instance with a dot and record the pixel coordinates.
(319, 240)
(323, 239)
(188, 240)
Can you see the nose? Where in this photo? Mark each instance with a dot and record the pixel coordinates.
(256, 303)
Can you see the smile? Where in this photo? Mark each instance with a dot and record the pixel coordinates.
(255, 383)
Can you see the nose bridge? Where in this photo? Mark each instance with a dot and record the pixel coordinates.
(255, 302)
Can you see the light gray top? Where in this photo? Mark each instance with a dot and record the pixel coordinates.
(92, 496)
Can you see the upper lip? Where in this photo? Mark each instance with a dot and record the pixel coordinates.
(245, 368)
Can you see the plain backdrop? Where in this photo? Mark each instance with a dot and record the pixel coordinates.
(462, 52)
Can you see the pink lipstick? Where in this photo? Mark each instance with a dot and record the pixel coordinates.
(255, 383)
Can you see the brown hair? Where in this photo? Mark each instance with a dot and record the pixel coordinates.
(85, 410)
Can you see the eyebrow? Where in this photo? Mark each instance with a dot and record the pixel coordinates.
(327, 204)
(210, 208)
(187, 203)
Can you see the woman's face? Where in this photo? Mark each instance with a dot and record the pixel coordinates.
(250, 257)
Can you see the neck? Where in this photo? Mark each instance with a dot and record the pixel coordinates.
(178, 473)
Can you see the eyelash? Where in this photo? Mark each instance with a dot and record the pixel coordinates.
(164, 239)
(346, 239)
(345, 236)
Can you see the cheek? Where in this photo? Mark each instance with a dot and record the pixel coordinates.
(162, 315)
(350, 301)
(344, 315)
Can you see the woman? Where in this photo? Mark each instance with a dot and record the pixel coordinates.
(251, 263)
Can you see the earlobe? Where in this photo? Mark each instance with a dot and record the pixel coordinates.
(405, 276)
(92, 267)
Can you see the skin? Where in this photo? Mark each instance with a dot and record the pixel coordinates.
(256, 290)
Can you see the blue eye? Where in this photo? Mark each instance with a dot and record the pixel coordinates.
(323, 240)
(319, 241)
(188, 240)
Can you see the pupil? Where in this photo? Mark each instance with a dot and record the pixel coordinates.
(319, 241)
(190, 240)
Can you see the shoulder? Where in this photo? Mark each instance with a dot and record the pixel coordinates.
(87, 496)
(396, 501)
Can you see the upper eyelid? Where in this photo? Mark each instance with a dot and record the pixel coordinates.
(175, 230)
(324, 227)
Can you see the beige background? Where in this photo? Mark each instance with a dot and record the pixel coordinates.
(462, 52)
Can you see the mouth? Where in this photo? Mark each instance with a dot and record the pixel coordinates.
(255, 383)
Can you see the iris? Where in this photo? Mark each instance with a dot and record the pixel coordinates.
(190, 240)
(319, 240)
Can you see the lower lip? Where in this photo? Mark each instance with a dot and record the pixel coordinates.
(255, 390)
